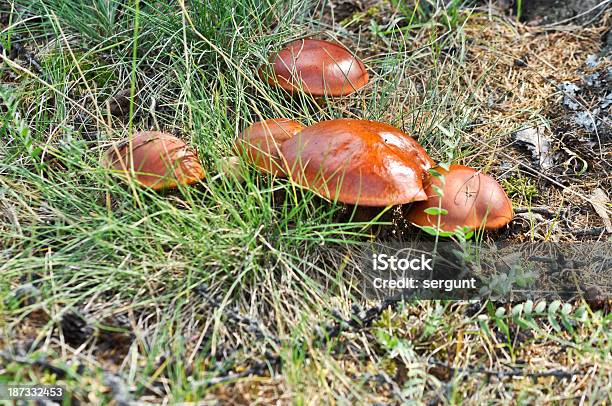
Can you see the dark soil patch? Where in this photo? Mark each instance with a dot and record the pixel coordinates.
(555, 11)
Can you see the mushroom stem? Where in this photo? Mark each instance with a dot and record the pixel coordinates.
(230, 167)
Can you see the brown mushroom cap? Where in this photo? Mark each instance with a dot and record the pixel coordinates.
(358, 162)
(261, 142)
(161, 161)
(471, 198)
(320, 68)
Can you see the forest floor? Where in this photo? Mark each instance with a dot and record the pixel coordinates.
(244, 292)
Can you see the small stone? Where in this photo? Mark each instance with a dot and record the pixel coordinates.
(592, 61)
(119, 105)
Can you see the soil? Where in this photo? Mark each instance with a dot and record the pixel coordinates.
(578, 12)
(606, 49)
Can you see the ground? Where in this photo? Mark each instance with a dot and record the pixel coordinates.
(241, 292)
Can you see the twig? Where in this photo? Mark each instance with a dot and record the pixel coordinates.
(360, 320)
(257, 369)
(40, 362)
(589, 231)
(505, 374)
(538, 210)
(253, 326)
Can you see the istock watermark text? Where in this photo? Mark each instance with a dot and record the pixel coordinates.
(384, 262)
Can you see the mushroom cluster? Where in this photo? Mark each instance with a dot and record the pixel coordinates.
(363, 162)
(367, 163)
(358, 162)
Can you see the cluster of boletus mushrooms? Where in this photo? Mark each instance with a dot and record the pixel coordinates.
(359, 162)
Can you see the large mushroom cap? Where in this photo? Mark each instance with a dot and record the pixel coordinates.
(160, 160)
(471, 198)
(358, 162)
(261, 142)
(320, 68)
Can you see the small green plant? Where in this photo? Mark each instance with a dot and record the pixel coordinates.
(360, 17)
(13, 127)
(500, 285)
(420, 12)
(520, 188)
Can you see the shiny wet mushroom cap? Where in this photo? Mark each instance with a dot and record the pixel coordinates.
(319, 68)
(358, 162)
(470, 198)
(261, 142)
(160, 160)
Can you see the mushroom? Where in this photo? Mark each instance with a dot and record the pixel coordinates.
(320, 68)
(469, 199)
(261, 142)
(159, 160)
(359, 162)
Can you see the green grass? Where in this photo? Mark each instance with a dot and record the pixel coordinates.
(97, 247)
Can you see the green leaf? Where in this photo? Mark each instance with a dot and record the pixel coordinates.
(503, 326)
(553, 322)
(517, 310)
(430, 230)
(554, 306)
(522, 323)
(541, 306)
(580, 313)
(528, 308)
(567, 324)
(437, 190)
(482, 322)
(566, 309)
(434, 211)
(436, 232)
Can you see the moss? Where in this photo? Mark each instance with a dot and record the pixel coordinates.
(521, 188)
(361, 16)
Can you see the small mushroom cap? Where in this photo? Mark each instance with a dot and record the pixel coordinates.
(358, 162)
(161, 161)
(261, 142)
(471, 198)
(320, 68)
